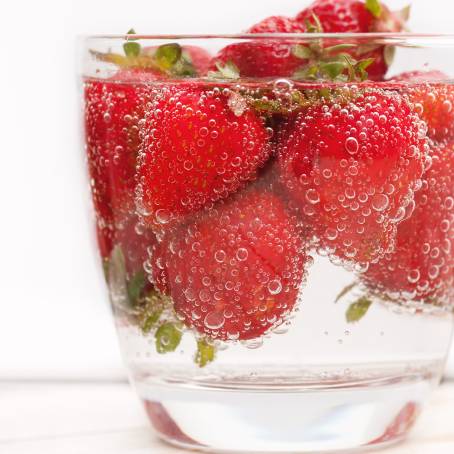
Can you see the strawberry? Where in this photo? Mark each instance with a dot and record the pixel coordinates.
(199, 57)
(351, 164)
(357, 16)
(422, 267)
(263, 58)
(277, 24)
(434, 101)
(112, 113)
(199, 146)
(235, 271)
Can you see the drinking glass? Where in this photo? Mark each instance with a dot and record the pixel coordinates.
(275, 220)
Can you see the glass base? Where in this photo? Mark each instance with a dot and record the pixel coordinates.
(316, 419)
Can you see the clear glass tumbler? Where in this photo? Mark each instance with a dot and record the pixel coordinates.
(275, 218)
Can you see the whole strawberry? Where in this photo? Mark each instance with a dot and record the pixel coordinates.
(433, 99)
(264, 57)
(358, 16)
(234, 273)
(352, 164)
(421, 267)
(200, 145)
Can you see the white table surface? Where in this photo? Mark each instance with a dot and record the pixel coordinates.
(98, 418)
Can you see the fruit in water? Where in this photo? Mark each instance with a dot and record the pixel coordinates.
(357, 16)
(434, 100)
(112, 114)
(234, 273)
(352, 165)
(264, 58)
(199, 146)
(421, 267)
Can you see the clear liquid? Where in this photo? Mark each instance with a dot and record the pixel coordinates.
(317, 381)
(322, 385)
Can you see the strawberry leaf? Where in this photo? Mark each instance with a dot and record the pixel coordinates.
(374, 7)
(131, 48)
(135, 287)
(205, 354)
(315, 26)
(168, 337)
(167, 55)
(332, 69)
(404, 14)
(303, 52)
(358, 310)
(339, 48)
(150, 320)
(105, 268)
(227, 71)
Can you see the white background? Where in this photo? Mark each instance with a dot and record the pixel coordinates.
(54, 320)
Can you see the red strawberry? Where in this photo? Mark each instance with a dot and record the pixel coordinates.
(199, 146)
(434, 101)
(339, 16)
(235, 272)
(277, 24)
(422, 266)
(264, 58)
(352, 165)
(199, 57)
(112, 112)
(355, 16)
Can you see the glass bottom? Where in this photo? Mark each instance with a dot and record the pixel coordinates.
(319, 417)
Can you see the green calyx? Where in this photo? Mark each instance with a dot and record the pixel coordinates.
(358, 310)
(168, 337)
(374, 7)
(299, 100)
(128, 289)
(168, 59)
(135, 287)
(130, 47)
(333, 63)
(206, 353)
(227, 71)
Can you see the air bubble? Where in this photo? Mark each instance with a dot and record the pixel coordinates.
(380, 202)
(274, 286)
(214, 320)
(242, 254)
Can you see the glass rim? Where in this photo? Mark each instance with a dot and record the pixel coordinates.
(400, 37)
